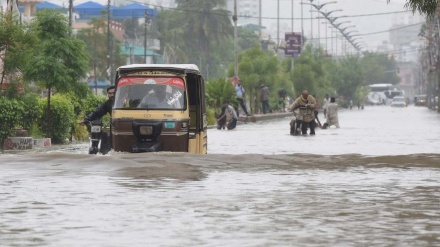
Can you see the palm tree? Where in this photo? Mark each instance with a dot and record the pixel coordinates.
(427, 7)
(205, 22)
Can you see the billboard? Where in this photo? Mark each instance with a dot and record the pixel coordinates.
(293, 44)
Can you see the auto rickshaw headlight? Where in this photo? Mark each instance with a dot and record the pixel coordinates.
(146, 130)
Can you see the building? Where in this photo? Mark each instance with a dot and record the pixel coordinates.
(404, 44)
(248, 11)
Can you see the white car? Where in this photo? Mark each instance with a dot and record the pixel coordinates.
(398, 101)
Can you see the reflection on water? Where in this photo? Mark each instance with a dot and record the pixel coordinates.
(61, 199)
(276, 194)
(373, 131)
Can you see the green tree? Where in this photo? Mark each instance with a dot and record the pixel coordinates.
(379, 68)
(16, 40)
(217, 91)
(351, 75)
(247, 38)
(200, 28)
(427, 7)
(95, 39)
(312, 72)
(256, 67)
(59, 61)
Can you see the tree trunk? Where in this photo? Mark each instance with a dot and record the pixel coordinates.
(49, 120)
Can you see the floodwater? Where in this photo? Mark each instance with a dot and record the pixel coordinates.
(373, 182)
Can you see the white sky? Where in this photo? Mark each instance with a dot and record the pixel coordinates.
(364, 25)
(352, 8)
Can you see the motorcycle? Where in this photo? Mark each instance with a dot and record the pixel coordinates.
(99, 138)
(298, 121)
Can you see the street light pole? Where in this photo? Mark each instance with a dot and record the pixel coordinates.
(302, 25)
(145, 37)
(326, 36)
(278, 25)
(109, 46)
(292, 18)
(234, 18)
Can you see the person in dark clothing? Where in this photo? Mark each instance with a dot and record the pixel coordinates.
(103, 109)
(264, 97)
(221, 122)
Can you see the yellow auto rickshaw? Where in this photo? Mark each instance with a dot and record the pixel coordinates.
(159, 107)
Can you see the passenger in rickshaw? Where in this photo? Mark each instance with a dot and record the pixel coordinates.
(306, 100)
(160, 97)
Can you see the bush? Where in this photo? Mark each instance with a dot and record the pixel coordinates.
(62, 116)
(210, 116)
(89, 104)
(10, 110)
(31, 111)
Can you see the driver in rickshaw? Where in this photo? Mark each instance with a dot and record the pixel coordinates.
(309, 102)
(159, 97)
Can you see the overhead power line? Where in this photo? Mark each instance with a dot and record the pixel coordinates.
(266, 18)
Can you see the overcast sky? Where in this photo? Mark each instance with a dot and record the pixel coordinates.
(367, 16)
(356, 10)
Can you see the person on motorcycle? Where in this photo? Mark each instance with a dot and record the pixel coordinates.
(97, 114)
(305, 100)
(103, 109)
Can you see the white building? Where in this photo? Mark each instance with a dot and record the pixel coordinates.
(248, 11)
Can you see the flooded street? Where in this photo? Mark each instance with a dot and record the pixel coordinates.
(373, 182)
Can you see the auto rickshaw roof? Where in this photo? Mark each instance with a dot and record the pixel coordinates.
(161, 66)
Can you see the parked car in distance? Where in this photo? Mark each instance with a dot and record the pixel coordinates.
(420, 100)
(398, 101)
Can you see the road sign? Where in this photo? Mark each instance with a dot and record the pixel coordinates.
(235, 79)
(293, 44)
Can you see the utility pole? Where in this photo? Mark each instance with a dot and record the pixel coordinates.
(145, 37)
(259, 19)
(292, 18)
(234, 18)
(278, 25)
(109, 46)
(438, 60)
(70, 13)
(302, 24)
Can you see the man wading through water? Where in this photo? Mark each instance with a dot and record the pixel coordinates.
(305, 100)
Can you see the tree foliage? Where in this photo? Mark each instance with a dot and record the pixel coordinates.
(258, 67)
(95, 39)
(16, 39)
(217, 91)
(380, 68)
(427, 7)
(59, 61)
(62, 117)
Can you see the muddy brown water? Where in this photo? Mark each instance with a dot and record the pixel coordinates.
(373, 182)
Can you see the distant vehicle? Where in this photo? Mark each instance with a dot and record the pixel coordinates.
(383, 93)
(398, 101)
(420, 100)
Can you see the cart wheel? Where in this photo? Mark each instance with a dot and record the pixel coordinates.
(93, 150)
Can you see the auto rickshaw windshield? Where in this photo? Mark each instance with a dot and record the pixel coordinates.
(146, 93)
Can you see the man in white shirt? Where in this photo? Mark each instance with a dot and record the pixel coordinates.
(239, 92)
(230, 115)
(325, 103)
(332, 116)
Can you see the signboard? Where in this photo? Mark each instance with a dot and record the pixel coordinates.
(172, 81)
(234, 80)
(293, 44)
